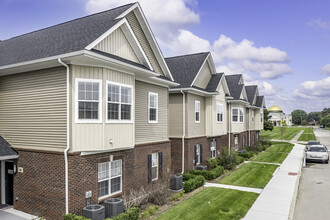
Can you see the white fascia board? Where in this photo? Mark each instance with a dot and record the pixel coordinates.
(200, 69)
(193, 91)
(211, 64)
(150, 36)
(167, 82)
(85, 153)
(108, 59)
(12, 157)
(239, 102)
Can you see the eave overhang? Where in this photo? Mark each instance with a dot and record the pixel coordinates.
(193, 91)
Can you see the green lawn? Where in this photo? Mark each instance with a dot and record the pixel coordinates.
(251, 175)
(271, 157)
(280, 147)
(213, 203)
(289, 133)
(307, 137)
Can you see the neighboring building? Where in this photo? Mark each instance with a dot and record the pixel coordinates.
(277, 116)
(94, 89)
(200, 124)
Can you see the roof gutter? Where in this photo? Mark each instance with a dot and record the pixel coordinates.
(193, 90)
(67, 138)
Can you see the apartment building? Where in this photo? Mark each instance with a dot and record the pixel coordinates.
(90, 107)
(83, 108)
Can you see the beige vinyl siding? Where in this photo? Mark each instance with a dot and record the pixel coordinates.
(249, 123)
(117, 44)
(137, 29)
(258, 125)
(33, 109)
(150, 132)
(175, 115)
(96, 136)
(194, 129)
(204, 76)
(237, 127)
(216, 128)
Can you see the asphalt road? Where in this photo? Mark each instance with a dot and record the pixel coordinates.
(313, 201)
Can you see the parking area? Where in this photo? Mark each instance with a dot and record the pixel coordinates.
(313, 201)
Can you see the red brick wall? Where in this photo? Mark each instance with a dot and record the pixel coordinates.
(40, 189)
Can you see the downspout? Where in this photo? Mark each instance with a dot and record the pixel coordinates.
(183, 126)
(229, 128)
(67, 138)
(249, 126)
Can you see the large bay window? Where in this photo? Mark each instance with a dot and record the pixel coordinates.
(88, 101)
(153, 108)
(119, 102)
(109, 178)
(235, 114)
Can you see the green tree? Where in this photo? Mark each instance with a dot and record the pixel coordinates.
(326, 121)
(325, 112)
(268, 125)
(298, 116)
(314, 116)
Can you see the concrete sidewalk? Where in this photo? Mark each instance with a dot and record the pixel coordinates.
(278, 198)
(240, 188)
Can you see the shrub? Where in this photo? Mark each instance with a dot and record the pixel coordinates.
(150, 211)
(228, 159)
(187, 176)
(211, 163)
(177, 196)
(74, 217)
(130, 214)
(247, 154)
(193, 183)
(240, 160)
(209, 175)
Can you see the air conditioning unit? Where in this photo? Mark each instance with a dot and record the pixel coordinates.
(201, 167)
(94, 212)
(176, 182)
(113, 207)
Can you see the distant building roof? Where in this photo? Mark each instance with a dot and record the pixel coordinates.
(275, 108)
(6, 151)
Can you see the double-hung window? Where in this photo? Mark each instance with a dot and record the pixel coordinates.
(154, 166)
(197, 111)
(219, 112)
(109, 178)
(252, 116)
(119, 102)
(153, 108)
(235, 114)
(236, 143)
(88, 101)
(241, 115)
(261, 117)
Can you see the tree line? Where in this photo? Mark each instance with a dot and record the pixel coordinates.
(300, 117)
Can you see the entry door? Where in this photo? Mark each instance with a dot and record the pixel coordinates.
(9, 181)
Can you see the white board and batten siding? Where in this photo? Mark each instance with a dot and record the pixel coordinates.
(96, 136)
(33, 109)
(150, 132)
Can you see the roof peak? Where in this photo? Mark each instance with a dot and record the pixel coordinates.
(45, 28)
(186, 55)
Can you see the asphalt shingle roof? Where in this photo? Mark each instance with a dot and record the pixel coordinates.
(259, 101)
(250, 92)
(214, 82)
(234, 88)
(63, 38)
(5, 148)
(185, 68)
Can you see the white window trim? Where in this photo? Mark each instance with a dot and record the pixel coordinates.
(221, 121)
(157, 165)
(88, 121)
(236, 146)
(232, 115)
(261, 117)
(199, 154)
(118, 121)
(199, 104)
(252, 116)
(149, 121)
(121, 180)
(215, 149)
(239, 115)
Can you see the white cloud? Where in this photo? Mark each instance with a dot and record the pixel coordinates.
(325, 69)
(319, 23)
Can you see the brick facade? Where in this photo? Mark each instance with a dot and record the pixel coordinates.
(40, 189)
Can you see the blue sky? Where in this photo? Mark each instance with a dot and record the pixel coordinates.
(283, 46)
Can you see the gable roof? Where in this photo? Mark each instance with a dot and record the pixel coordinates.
(214, 82)
(185, 68)
(6, 150)
(235, 89)
(259, 102)
(63, 38)
(250, 92)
